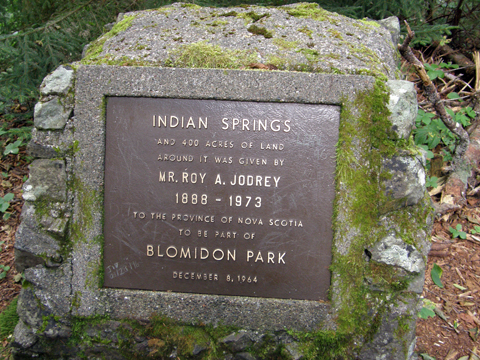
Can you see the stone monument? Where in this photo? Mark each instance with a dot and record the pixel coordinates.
(231, 183)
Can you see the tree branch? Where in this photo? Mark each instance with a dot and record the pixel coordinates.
(434, 98)
(47, 25)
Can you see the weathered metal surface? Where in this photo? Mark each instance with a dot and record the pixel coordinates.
(219, 197)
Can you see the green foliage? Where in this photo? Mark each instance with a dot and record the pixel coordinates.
(426, 312)
(457, 232)
(13, 148)
(8, 319)
(3, 271)
(431, 182)
(37, 36)
(427, 357)
(430, 19)
(463, 115)
(431, 132)
(5, 202)
(436, 274)
(435, 70)
(475, 230)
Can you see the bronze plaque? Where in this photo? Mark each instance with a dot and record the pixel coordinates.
(219, 197)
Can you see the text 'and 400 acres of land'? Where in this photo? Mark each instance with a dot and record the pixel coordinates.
(219, 197)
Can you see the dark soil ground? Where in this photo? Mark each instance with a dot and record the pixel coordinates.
(457, 334)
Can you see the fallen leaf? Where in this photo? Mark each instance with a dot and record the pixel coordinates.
(473, 317)
(448, 199)
(440, 314)
(427, 357)
(473, 219)
(467, 318)
(263, 66)
(470, 284)
(425, 313)
(460, 287)
(451, 355)
(436, 274)
(474, 355)
(446, 217)
(436, 190)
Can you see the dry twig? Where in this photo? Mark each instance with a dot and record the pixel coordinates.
(432, 96)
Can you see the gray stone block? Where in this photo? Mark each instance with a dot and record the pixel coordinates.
(52, 288)
(24, 337)
(294, 351)
(48, 144)
(58, 82)
(395, 335)
(406, 185)
(403, 106)
(28, 309)
(48, 180)
(300, 37)
(32, 245)
(237, 341)
(244, 356)
(51, 115)
(393, 25)
(391, 250)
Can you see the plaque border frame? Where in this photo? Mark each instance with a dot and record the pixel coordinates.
(93, 85)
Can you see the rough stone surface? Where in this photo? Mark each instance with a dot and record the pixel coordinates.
(393, 25)
(391, 250)
(48, 144)
(48, 179)
(24, 338)
(406, 186)
(58, 82)
(51, 115)
(237, 341)
(403, 106)
(301, 37)
(32, 245)
(387, 342)
(198, 349)
(52, 287)
(244, 356)
(294, 351)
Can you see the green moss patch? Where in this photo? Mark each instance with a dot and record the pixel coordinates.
(88, 201)
(306, 31)
(364, 289)
(8, 319)
(284, 44)
(257, 30)
(310, 11)
(205, 55)
(252, 16)
(96, 48)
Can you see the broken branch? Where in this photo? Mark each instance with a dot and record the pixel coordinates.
(434, 98)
